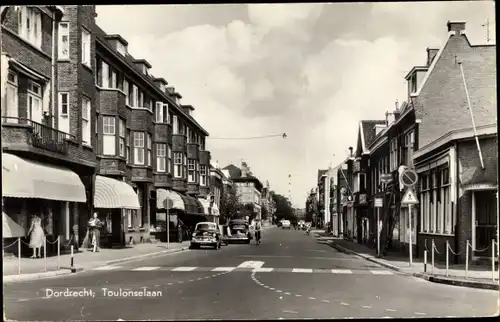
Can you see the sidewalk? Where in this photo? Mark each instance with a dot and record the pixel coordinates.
(84, 260)
(478, 276)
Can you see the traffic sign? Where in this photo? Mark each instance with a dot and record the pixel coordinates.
(168, 203)
(385, 178)
(409, 198)
(379, 202)
(409, 178)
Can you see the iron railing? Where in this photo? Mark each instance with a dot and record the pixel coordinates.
(43, 136)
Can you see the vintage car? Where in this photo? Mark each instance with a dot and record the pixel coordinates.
(206, 234)
(237, 230)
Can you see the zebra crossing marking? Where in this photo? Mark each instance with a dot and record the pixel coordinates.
(302, 270)
(146, 268)
(184, 269)
(379, 272)
(341, 271)
(223, 269)
(106, 268)
(263, 270)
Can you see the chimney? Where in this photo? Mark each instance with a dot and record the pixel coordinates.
(431, 54)
(397, 111)
(161, 83)
(244, 169)
(350, 151)
(457, 27)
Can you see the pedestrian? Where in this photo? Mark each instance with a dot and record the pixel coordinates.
(95, 234)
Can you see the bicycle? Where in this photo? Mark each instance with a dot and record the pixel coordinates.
(257, 238)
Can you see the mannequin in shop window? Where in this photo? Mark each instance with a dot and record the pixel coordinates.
(36, 236)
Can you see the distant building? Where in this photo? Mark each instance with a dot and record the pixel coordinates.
(248, 186)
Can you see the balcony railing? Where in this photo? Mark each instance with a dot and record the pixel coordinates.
(43, 136)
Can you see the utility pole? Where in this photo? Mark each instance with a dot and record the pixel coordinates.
(487, 25)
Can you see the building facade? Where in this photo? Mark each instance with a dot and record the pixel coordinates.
(48, 166)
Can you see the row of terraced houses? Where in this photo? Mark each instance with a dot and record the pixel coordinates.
(87, 128)
(453, 147)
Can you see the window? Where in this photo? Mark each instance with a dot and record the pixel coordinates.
(105, 75)
(129, 217)
(166, 114)
(135, 96)
(413, 80)
(150, 146)
(185, 166)
(34, 101)
(191, 170)
(121, 49)
(139, 148)
(63, 104)
(202, 144)
(178, 165)
(161, 157)
(203, 175)
(9, 105)
(126, 90)
(121, 142)
(161, 112)
(30, 25)
(169, 164)
(362, 183)
(63, 45)
(86, 108)
(109, 131)
(188, 135)
(86, 48)
(394, 154)
(113, 79)
(127, 140)
(176, 125)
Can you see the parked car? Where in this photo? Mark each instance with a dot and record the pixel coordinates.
(238, 230)
(206, 234)
(286, 224)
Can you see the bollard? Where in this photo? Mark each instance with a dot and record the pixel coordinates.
(19, 255)
(73, 269)
(432, 258)
(447, 258)
(425, 261)
(493, 260)
(467, 260)
(45, 251)
(58, 252)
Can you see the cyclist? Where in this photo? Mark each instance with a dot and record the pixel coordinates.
(257, 228)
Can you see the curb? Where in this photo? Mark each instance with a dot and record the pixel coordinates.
(434, 279)
(64, 271)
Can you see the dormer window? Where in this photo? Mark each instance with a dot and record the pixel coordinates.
(145, 70)
(121, 49)
(413, 83)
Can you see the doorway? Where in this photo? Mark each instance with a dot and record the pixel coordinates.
(485, 210)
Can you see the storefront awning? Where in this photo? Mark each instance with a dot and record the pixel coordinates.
(10, 228)
(162, 195)
(22, 178)
(192, 205)
(115, 194)
(206, 205)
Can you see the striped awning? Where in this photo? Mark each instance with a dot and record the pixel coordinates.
(162, 195)
(192, 205)
(206, 205)
(23, 178)
(112, 193)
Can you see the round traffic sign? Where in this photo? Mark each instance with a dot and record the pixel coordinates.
(409, 178)
(168, 203)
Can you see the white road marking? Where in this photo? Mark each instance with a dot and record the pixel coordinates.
(298, 295)
(315, 250)
(146, 268)
(418, 313)
(180, 282)
(272, 288)
(302, 270)
(341, 271)
(287, 293)
(191, 280)
(312, 298)
(382, 272)
(345, 304)
(288, 311)
(251, 264)
(169, 283)
(366, 307)
(326, 301)
(106, 268)
(23, 300)
(263, 270)
(279, 291)
(184, 269)
(223, 269)
(390, 310)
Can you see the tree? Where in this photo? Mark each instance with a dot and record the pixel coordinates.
(284, 209)
(264, 213)
(310, 206)
(230, 205)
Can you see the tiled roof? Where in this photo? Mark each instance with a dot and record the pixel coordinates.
(129, 60)
(369, 131)
(234, 171)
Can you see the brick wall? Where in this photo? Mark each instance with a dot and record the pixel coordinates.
(179, 143)
(470, 171)
(443, 102)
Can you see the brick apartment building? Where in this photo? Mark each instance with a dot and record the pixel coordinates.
(47, 166)
(216, 190)
(105, 117)
(433, 134)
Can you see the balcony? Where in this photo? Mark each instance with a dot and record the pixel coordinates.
(178, 143)
(193, 188)
(21, 132)
(205, 157)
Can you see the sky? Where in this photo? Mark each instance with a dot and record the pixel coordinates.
(312, 71)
